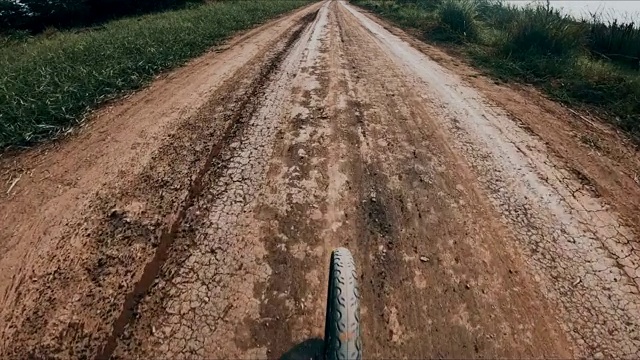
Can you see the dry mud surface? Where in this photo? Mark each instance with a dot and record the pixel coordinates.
(194, 219)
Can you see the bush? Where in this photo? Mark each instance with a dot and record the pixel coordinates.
(459, 18)
(616, 41)
(542, 31)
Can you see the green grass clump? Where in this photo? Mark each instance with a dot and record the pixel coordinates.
(543, 31)
(48, 82)
(458, 17)
(619, 42)
(497, 14)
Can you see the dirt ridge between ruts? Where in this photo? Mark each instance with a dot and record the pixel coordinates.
(234, 127)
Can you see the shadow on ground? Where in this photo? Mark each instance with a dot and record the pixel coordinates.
(310, 349)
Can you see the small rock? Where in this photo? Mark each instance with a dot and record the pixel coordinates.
(467, 286)
(598, 356)
(424, 258)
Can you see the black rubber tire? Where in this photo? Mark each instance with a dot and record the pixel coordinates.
(342, 323)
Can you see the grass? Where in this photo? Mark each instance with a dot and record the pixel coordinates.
(458, 18)
(591, 62)
(49, 82)
(542, 31)
(615, 41)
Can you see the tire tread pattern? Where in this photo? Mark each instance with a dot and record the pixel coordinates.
(342, 327)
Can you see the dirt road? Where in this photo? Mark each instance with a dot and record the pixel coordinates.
(194, 219)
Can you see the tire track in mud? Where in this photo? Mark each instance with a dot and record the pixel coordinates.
(227, 192)
(291, 234)
(290, 213)
(313, 204)
(244, 108)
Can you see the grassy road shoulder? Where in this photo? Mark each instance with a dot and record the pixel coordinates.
(589, 63)
(48, 82)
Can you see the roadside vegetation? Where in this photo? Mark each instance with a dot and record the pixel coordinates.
(48, 81)
(593, 62)
(33, 16)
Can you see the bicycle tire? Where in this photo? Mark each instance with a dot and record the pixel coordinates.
(342, 321)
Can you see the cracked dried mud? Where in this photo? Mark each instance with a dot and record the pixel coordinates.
(195, 219)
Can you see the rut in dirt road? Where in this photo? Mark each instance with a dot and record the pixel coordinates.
(474, 234)
(245, 107)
